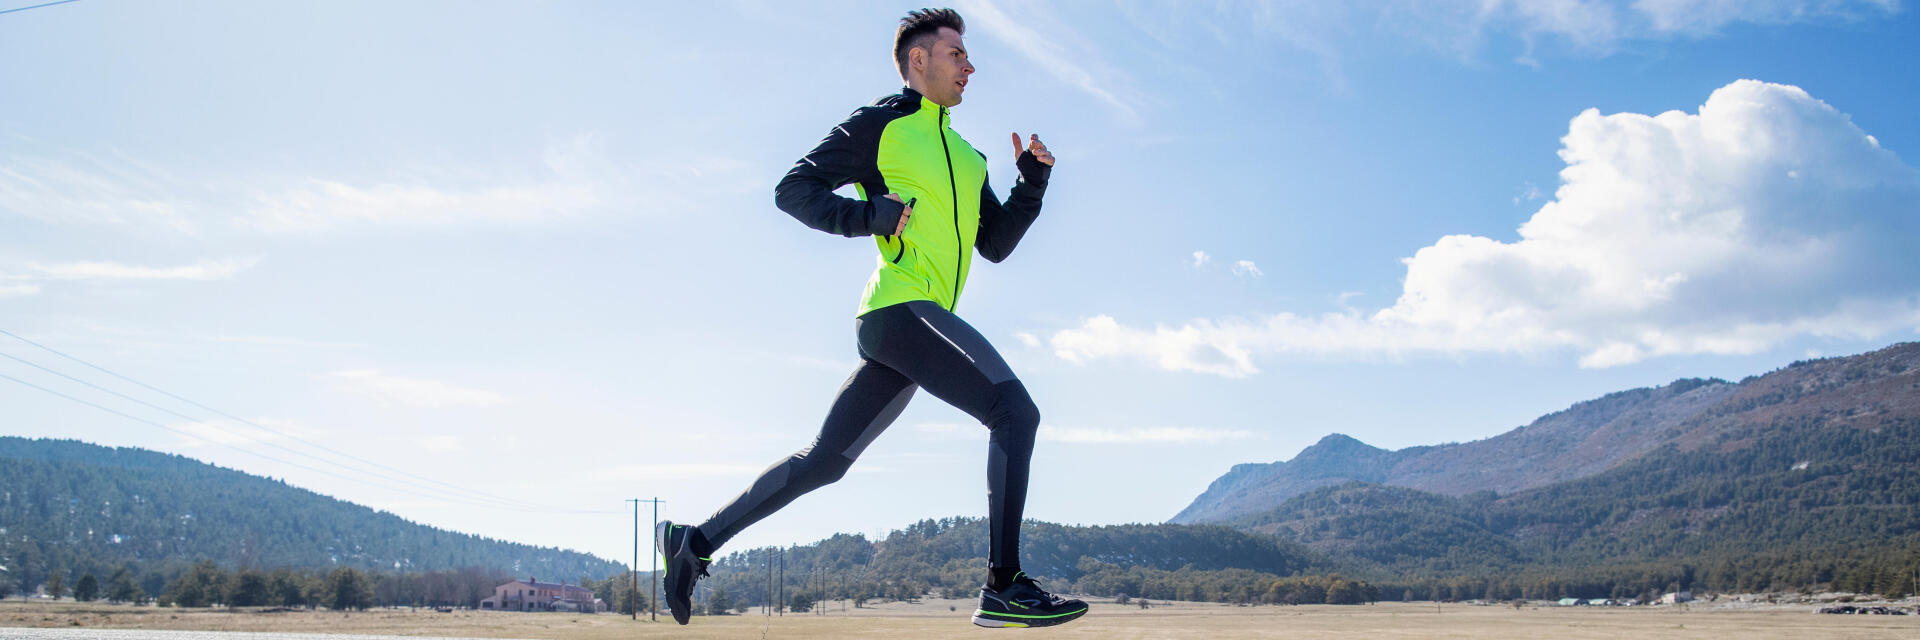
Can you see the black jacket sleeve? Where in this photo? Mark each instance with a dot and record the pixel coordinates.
(1001, 226)
(845, 156)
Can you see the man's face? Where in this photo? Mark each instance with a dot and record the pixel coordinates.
(947, 69)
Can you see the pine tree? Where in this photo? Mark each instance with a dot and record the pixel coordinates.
(347, 588)
(719, 602)
(800, 600)
(87, 589)
(121, 588)
(250, 589)
(202, 586)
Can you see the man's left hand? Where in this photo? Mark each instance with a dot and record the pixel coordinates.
(1038, 148)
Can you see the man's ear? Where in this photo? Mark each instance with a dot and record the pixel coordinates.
(917, 59)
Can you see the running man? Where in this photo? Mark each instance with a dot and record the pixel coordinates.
(924, 197)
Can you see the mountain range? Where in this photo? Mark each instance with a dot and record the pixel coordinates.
(1864, 391)
(1808, 475)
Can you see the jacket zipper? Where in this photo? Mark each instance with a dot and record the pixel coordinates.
(960, 253)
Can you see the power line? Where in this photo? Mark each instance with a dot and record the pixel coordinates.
(443, 493)
(440, 493)
(184, 433)
(3, 11)
(522, 504)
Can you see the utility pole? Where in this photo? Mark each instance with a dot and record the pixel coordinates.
(634, 585)
(652, 584)
(783, 583)
(653, 581)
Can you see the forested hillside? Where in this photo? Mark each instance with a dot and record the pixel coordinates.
(1793, 504)
(80, 508)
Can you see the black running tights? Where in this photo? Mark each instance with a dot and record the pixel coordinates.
(904, 347)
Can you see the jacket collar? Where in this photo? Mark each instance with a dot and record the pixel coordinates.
(911, 101)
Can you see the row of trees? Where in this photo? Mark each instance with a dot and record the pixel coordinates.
(206, 584)
(120, 587)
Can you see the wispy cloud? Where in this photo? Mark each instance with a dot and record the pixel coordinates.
(18, 290)
(1062, 55)
(89, 189)
(816, 363)
(275, 341)
(947, 428)
(200, 270)
(673, 471)
(1247, 268)
(1142, 435)
(229, 432)
(1330, 31)
(440, 443)
(1200, 259)
(1766, 216)
(569, 179)
(420, 392)
(1087, 435)
(573, 178)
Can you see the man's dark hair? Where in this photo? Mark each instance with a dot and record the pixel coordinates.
(919, 29)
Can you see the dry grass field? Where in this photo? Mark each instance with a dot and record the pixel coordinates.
(932, 619)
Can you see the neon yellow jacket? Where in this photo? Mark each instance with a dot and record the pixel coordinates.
(904, 145)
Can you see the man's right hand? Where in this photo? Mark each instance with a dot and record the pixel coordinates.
(904, 212)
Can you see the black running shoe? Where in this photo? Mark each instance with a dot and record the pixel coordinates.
(1025, 604)
(683, 567)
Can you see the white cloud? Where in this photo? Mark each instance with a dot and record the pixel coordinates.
(1527, 193)
(116, 190)
(675, 471)
(18, 290)
(1326, 30)
(817, 363)
(1028, 339)
(1601, 26)
(421, 392)
(200, 270)
(230, 432)
(1142, 435)
(1700, 17)
(324, 204)
(1200, 259)
(571, 178)
(1084, 435)
(440, 443)
(1766, 216)
(1246, 268)
(275, 341)
(947, 428)
(1200, 346)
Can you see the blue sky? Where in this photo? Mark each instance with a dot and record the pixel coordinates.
(530, 249)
